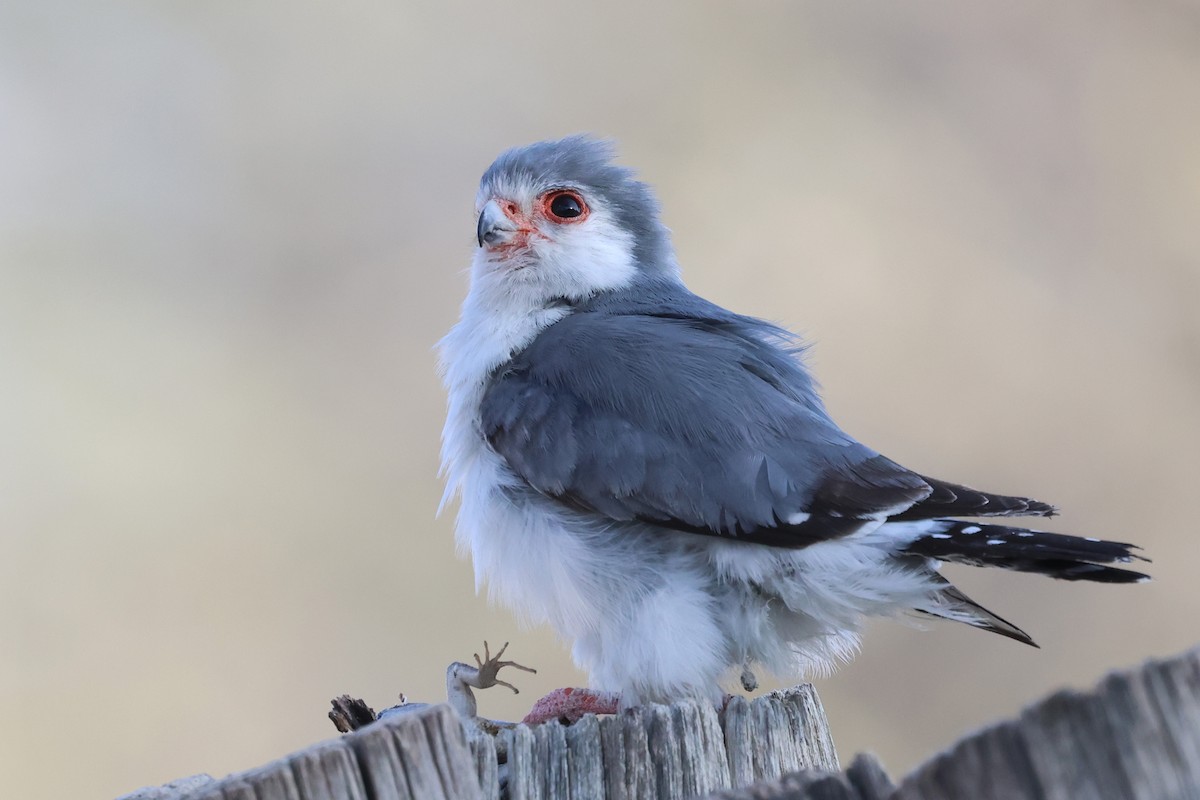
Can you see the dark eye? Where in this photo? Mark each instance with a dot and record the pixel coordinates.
(566, 205)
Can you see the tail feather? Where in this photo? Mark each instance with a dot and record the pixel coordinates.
(950, 603)
(1071, 558)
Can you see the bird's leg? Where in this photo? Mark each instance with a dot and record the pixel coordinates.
(461, 677)
(569, 705)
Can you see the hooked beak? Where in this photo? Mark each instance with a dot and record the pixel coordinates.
(495, 227)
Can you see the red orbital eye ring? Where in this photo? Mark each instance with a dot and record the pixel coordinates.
(564, 206)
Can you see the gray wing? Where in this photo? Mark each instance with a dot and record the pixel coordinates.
(694, 424)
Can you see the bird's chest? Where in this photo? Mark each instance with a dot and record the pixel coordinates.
(515, 537)
(480, 343)
(533, 557)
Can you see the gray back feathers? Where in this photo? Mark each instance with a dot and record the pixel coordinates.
(657, 406)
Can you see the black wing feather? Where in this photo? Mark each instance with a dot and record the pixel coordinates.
(952, 500)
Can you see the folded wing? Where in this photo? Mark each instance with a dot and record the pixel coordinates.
(700, 425)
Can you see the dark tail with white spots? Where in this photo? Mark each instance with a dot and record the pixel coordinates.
(1070, 558)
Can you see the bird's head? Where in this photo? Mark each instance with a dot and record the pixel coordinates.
(559, 219)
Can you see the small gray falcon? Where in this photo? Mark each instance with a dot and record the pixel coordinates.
(657, 477)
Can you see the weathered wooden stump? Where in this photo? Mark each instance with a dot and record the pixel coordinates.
(1136, 736)
(678, 751)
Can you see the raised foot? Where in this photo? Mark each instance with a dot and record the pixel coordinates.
(569, 705)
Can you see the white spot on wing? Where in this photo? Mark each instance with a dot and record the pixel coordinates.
(995, 541)
(972, 529)
(939, 536)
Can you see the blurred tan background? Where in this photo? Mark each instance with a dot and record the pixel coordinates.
(231, 233)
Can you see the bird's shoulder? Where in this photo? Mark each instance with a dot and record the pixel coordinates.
(653, 352)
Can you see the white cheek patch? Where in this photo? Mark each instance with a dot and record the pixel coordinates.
(587, 257)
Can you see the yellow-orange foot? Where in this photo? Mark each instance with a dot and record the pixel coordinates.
(568, 705)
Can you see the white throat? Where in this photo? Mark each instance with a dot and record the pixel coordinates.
(499, 318)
